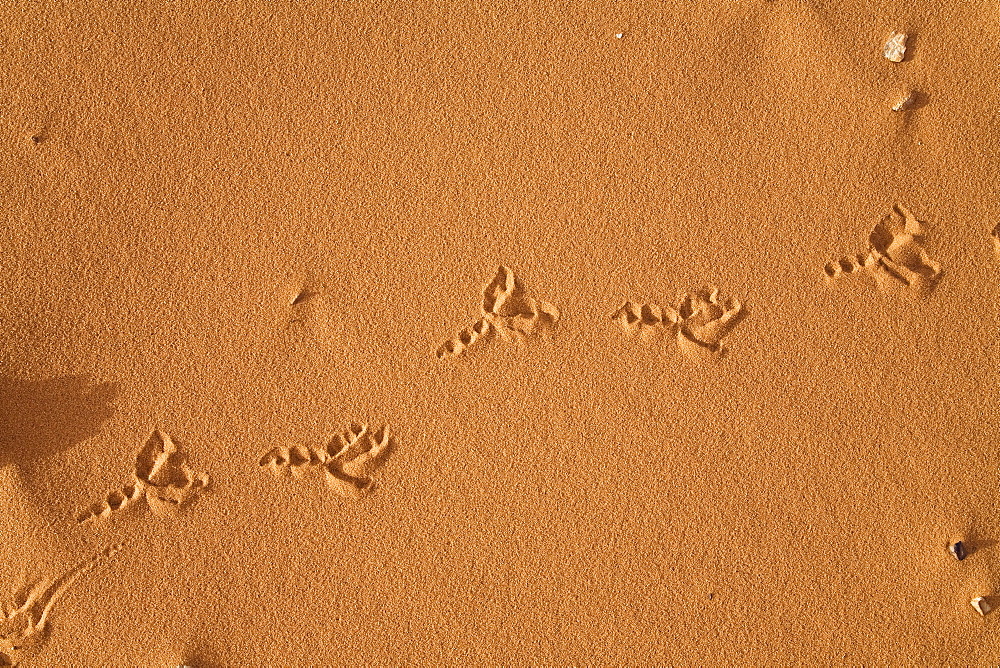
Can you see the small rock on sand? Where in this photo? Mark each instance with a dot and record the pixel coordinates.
(904, 100)
(895, 47)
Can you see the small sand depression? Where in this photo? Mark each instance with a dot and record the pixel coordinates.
(348, 460)
(162, 478)
(507, 311)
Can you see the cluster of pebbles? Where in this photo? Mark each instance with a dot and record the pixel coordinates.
(895, 51)
(980, 603)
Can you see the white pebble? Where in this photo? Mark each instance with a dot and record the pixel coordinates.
(895, 47)
(904, 100)
(619, 35)
(981, 606)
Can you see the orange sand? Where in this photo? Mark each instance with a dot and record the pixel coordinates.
(176, 175)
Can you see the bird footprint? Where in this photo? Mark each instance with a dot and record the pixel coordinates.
(697, 321)
(506, 310)
(161, 477)
(348, 460)
(896, 255)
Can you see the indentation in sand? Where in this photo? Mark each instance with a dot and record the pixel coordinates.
(161, 477)
(311, 314)
(697, 320)
(348, 460)
(24, 625)
(507, 310)
(896, 256)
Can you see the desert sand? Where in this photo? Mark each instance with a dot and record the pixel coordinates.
(466, 333)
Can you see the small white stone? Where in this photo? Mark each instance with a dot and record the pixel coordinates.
(619, 35)
(904, 100)
(981, 606)
(895, 47)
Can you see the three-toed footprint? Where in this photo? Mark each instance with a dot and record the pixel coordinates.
(896, 256)
(161, 477)
(348, 460)
(697, 320)
(506, 310)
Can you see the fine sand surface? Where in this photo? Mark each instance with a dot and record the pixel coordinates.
(388, 332)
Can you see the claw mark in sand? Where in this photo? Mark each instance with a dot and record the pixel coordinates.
(162, 477)
(24, 628)
(506, 310)
(697, 321)
(896, 256)
(348, 460)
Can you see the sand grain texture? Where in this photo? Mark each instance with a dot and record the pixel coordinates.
(250, 226)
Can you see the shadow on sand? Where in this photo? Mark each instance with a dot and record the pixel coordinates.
(41, 418)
